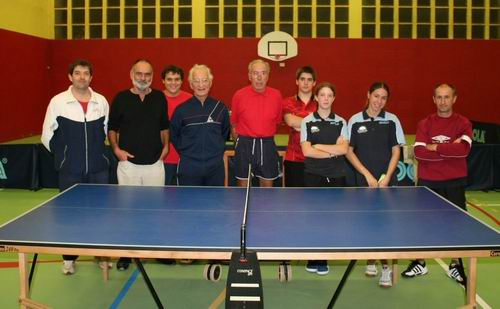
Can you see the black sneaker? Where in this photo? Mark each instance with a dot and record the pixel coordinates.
(123, 264)
(312, 266)
(415, 269)
(166, 261)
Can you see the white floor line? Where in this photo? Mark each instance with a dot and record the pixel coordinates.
(479, 300)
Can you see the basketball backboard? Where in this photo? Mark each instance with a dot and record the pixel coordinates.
(277, 46)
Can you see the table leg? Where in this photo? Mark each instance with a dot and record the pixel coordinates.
(105, 270)
(105, 273)
(472, 283)
(351, 265)
(23, 279)
(148, 283)
(395, 272)
(32, 270)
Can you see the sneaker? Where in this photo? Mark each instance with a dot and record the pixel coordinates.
(123, 264)
(322, 268)
(68, 267)
(312, 267)
(166, 261)
(415, 269)
(103, 263)
(385, 280)
(455, 272)
(186, 261)
(371, 270)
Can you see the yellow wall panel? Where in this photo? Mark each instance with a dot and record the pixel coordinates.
(33, 17)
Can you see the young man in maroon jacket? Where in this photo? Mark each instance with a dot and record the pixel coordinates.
(442, 144)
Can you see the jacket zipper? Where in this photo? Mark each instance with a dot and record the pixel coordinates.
(86, 146)
(64, 157)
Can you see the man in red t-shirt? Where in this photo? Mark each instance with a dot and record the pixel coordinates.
(442, 144)
(295, 108)
(172, 77)
(256, 110)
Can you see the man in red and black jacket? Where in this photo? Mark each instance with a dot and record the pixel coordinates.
(296, 108)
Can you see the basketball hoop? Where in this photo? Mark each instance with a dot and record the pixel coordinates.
(277, 46)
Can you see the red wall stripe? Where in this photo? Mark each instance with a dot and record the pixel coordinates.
(36, 69)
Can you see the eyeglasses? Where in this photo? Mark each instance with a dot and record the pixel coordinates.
(200, 81)
(259, 73)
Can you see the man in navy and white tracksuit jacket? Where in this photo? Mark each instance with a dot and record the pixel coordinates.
(74, 130)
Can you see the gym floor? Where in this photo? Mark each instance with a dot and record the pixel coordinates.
(182, 286)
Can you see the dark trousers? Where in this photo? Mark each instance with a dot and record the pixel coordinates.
(456, 195)
(67, 180)
(170, 174)
(294, 174)
(201, 173)
(313, 180)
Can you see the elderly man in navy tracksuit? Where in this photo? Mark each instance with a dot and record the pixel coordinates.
(198, 129)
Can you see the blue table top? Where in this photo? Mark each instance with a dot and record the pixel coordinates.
(279, 219)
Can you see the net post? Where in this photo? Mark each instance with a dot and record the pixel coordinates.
(243, 243)
(243, 230)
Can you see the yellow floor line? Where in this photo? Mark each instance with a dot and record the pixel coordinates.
(219, 300)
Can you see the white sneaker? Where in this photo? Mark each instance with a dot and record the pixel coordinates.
(455, 271)
(371, 270)
(186, 261)
(105, 263)
(385, 278)
(68, 267)
(415, 269)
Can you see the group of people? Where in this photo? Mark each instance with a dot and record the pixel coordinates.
(173, 137)
(320, 141)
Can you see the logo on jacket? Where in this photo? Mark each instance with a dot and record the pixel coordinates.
(3, 174)
(362, 129)
(314, 129)
(440, 139)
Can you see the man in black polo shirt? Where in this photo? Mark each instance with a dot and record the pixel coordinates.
(138, 133)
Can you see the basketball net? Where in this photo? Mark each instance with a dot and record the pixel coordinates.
(277, 59)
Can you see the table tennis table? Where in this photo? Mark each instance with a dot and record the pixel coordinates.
(283, 224)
